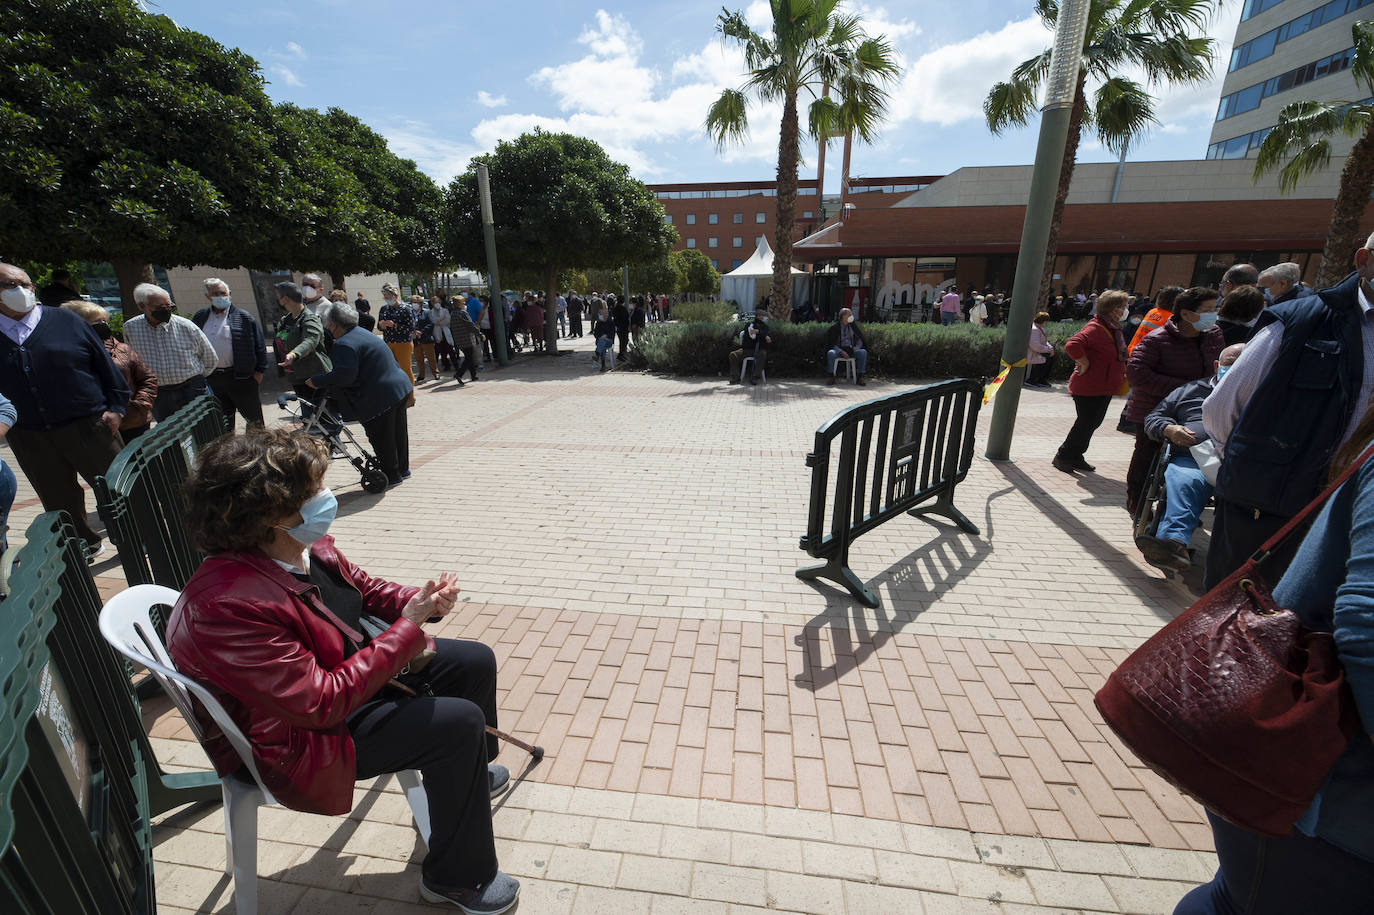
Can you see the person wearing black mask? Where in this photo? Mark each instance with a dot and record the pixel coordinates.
(753, 341)
(176, 350)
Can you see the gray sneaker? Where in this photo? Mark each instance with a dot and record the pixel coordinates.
(499, 776)
(489, 899)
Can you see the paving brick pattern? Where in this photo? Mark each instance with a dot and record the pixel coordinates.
(721, 736)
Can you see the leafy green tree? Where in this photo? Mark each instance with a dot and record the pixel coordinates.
(1300, 146)
(698, 276)
(558, 202)
(126, 138)
(386, 219)
(813, 45)
(1159, 38)
(660, 275)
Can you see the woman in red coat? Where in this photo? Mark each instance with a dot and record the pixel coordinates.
(1099, 355)
(304, 651)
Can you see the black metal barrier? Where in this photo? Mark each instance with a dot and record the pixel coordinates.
(140, 498)
(74, 811)
(923, 449)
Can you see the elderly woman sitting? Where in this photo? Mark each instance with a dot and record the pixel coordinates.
(315, 660)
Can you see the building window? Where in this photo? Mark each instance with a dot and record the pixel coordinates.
(715, 264)
(712, 218)
(712, 242)
(738, 219)
(737, 242)
(667, 219)
(1253, 8)
(691, 242)
(760, 217)
(807, 214)
(691, 219)
(734, 264)
(1249, 98)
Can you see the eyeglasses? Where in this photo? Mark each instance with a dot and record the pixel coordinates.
(14, 284)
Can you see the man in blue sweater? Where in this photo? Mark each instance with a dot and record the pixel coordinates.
(69, 396)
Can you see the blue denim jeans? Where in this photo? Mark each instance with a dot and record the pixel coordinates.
(860, 359)
(949, 317)
(8, 487)
(1186, 492)
(604, 345)
(1299, 873)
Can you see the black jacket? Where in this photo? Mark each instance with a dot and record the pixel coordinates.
(761, 341)
(832, 338)
(604, 328)
(621, 316)
(250, 352)
(61, 373)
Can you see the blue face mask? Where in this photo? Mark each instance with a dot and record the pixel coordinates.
(316, 515)
(1222, 370)
(1206, 321)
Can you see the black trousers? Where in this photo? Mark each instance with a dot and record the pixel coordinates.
(236, 396)
(1236, 535)
(1039, 374)
(170, 400)
(52, 458)
(624, 336)
(443, 736)
(1091, 412)
(389, 435)
(1146, 449)
(470, 359)
(575, 325)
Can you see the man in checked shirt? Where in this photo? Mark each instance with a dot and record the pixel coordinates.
(1290, 401)
(172, 347)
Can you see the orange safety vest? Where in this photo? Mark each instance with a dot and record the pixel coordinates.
(1156, 319)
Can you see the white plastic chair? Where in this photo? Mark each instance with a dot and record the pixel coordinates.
(744, 370)
(126, 624)
(853, 373)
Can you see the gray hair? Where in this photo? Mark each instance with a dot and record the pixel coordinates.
(391, 288)
(341, 314)
(1241, 275)
(145, 291)
(313, 279)
(1288, 273)
(214, 282)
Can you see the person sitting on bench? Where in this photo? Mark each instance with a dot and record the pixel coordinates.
(326, 669)
(753, 342)
(846, 339)
(1177, 419)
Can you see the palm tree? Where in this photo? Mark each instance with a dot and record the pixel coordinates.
(1300, 145)
(1152, 37)
(812, 45)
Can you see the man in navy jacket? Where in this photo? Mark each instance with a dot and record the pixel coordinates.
(242, 354)
(69, 396)
(370, 387)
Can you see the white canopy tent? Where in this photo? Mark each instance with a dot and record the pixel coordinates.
(752, 280)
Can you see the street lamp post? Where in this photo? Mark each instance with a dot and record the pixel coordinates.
(498, 302)
(1060, 90)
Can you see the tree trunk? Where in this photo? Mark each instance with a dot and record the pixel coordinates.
(779, 300)
(338, 277)
(1344, 236)
(130, 273)
(550, 309)
(1080, 101)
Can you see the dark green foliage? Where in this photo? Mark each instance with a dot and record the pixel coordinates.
(698, 276)
(894, 350)
(717, 312)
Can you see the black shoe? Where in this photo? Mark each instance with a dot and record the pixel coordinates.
(460, 381)
(1063, 465)
(862, 382)
(1080, 464)
(499, 777)
(1167, 554)
(491, 898)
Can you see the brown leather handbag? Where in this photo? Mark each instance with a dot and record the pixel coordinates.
(1235, 702)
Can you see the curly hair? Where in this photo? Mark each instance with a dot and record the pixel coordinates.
(244, 484)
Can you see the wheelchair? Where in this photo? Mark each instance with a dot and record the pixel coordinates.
(1150, 510)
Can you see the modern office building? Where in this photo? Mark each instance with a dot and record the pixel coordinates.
(1285, 51)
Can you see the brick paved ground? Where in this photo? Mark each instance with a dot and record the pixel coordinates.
(722, 736)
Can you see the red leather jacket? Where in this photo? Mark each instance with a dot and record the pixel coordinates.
(263, 642)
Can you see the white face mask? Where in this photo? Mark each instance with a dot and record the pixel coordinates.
(219, 302)
(19, 299)
(309, 292)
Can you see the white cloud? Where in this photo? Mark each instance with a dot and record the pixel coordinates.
(487, 100)
(295, 50)
(439, 158)
(286, 75)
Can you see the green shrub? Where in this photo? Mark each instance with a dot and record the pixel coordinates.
(798, 350)
(694, 312)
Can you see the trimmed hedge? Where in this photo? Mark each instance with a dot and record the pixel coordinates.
(696, 312)
(798, 350)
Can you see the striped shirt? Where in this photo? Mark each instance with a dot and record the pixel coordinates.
(175, 352)
(1221, 410)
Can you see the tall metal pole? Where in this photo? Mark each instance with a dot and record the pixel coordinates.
(1060, 89)
(498, 302)
(625, 285)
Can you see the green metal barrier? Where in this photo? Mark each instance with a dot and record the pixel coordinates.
(74, 806)
(140, 499)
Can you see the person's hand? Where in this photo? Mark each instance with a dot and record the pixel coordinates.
(311, 383)
(257, 378)
(1180, 435)
(1080, 366)
(434, 599)
(767, 339)
(111, 420)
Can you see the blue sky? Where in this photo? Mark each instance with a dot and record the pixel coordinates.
(443, 81)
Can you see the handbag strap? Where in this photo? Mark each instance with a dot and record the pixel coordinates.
(1286, 531)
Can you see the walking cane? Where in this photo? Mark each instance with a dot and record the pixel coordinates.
(536, 751)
